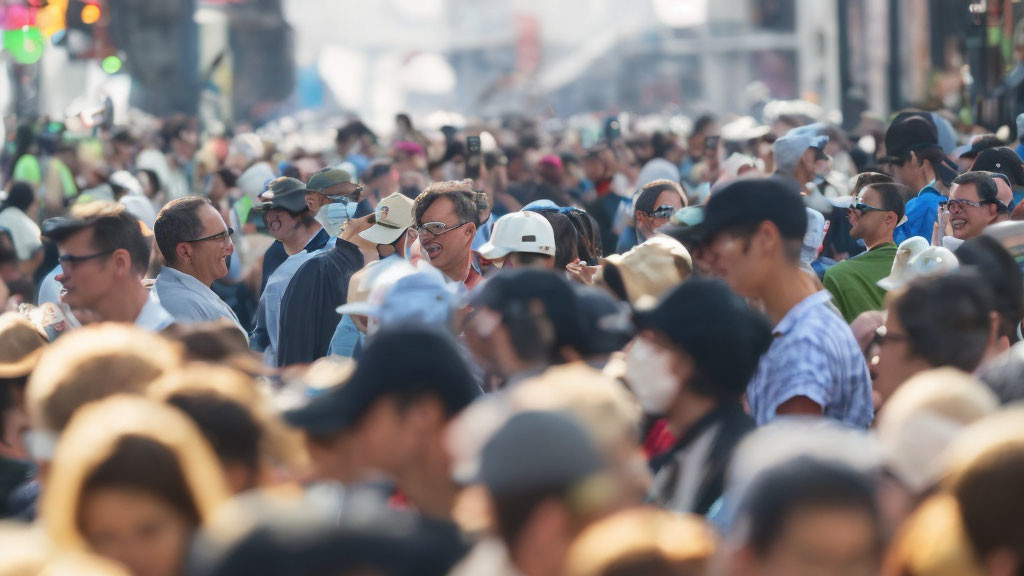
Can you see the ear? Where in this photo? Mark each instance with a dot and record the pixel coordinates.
(122, 260)
(993, 330)
(471, 230)
(183, 252)
(311, 203)
(766, 239)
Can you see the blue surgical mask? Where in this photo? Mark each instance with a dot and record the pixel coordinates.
(335, 215)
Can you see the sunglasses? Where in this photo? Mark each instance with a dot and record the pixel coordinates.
(861, 208)
(663, 211)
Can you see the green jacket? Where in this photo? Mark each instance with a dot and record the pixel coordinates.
(853, 283)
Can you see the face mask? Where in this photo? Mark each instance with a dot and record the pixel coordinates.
(648, 372)
(335, 215)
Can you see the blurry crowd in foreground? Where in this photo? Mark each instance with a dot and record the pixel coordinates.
(755, 345)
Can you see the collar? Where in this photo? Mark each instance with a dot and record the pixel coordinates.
(185, 280)
(883, 245)
(797, 312)
(153, 316)
(930, 188)
(698, 428)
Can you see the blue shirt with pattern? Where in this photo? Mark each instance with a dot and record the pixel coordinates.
(814, 354)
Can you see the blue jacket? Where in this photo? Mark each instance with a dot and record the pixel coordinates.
(922, 212)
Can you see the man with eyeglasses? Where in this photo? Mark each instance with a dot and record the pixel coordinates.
(446, 218)
(195, 244)
(873, 218)
(974, 205)
(103, 259)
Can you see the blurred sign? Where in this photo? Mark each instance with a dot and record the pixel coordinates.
(527, 43)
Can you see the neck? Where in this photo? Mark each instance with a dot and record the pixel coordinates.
(299, 239)
(876, 241)
(458, 270)
(189, 271)
(434, 497)
(688, 411)
(123, 305)
(787, 287)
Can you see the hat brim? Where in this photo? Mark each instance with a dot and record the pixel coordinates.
(324, 414)
(23, 367)
(379, 234)
(888, 283)
(358, 309)
(492, 252)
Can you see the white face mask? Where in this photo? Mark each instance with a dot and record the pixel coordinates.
(335, 215)
(648, 371)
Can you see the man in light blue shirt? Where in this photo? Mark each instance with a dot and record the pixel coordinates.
(195, 243)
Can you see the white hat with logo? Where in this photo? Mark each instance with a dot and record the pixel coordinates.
(394, 216)
(520, 232)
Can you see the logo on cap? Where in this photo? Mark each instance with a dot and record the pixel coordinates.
(383, 212)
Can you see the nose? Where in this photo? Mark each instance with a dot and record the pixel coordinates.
(230, 248)
(61, 276)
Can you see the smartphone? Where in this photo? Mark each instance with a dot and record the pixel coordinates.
(473, 157)
(711, 142)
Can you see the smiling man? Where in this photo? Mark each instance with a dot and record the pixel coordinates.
(446, 220)
(974, 205)
(196, 244)
(290, 220)
(873, 218)
(103, 259)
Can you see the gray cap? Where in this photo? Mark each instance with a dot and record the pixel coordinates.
(536, 451)
(327, 177)
(791, 147)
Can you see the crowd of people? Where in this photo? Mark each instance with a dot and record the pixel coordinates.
(749, 346)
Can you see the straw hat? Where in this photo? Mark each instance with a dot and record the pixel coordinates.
(20, 346)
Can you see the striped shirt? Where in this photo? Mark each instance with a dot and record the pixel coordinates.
(814, 354)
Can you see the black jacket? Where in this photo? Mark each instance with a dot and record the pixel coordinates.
(733, 424)
(308, 317)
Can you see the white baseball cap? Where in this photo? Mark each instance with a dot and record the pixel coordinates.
(932, 261)
(908, 249)
(394, 216)
(520, 232)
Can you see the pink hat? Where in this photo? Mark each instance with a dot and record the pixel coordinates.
(408, 147)
(552, 159)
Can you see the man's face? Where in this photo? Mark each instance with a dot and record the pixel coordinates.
(907, 172)
(967, 216)
(280, 223)
(86, 281)
(209, 257)
(893, 363)
(817, 541)
(452, 245)
(866, 224)
(385, 185)
(738, 261)
(593, 168)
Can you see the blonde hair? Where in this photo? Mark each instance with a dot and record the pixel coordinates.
(279, 443)
(92, 363)
(932, 542)
(641, 539)
(91, 438)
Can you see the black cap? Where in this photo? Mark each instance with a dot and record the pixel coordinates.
(980, 143)
(284, 193)
(909, 134)
(511, 292)
(755, 200)
(714, 326)
(402, 359)
(607, 321)
(1001, 160)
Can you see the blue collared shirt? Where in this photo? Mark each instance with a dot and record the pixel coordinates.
(188, 300)
(268, 313)
(922, 213)
(153, 316)
(814, 354)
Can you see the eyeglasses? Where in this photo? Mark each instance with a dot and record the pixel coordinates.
(222, 236)
(71, 260)
(882, 335)
(961, 202)
(861, 208)
(436, 229)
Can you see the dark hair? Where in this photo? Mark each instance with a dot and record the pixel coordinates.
(803, 484)
(215, 342)
(566, 239)
(528, 258)
(892, 195)
(1000, 271)
(154, 179)
(113, 228)
(463, 202)
(865, 179)
(985, 185)
(352, 130)
(651, 191)
(588, 234)
(178, 222)
(376, 169)
(227, 425)
(21, 195)
(991, 505)
(791, 247)
(6, 399)
(141, 463)
(229, 176)
(8, 253)
(702, 123)
(947, 319)
(662, 143)
(512, 513)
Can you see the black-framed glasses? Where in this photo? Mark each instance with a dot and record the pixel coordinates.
(222, 236)
(436, 229)
(861, 208)
(71, 259)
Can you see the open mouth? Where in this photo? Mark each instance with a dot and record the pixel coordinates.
(958, 223)
(433, 249)
(274, 225)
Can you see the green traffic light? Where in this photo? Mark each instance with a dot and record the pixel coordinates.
(25, 44)
(111, 64)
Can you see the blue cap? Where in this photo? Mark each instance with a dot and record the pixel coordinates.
(791, 147)
(540, 205)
